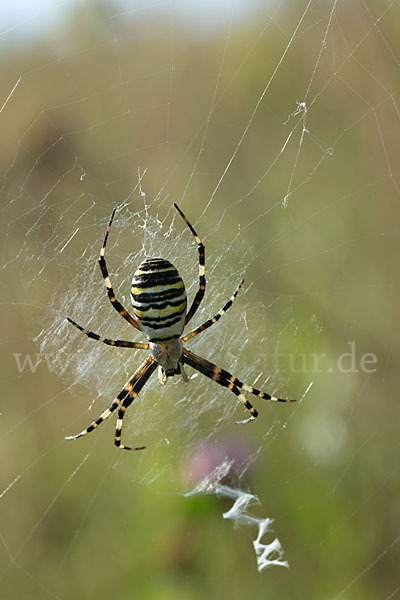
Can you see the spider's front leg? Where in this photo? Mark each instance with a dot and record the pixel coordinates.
(213, 372)
(150, 367)
(229, 381)
(129, 393)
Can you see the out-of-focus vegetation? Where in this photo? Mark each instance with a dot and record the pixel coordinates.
(105, 94)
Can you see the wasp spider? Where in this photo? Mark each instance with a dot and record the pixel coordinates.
(159, 304)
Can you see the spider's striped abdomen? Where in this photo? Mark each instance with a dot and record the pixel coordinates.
(159, 300)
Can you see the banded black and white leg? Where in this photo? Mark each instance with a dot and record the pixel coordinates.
(132, 386)
(210, 370)
(225, 379)
(110, 292)
(215, 318)
(140, 382)
(202, 262)
(108, 341)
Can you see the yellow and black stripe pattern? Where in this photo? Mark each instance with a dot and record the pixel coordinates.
(159, 300)
(159, 304)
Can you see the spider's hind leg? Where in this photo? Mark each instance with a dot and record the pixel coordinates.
(202, 266)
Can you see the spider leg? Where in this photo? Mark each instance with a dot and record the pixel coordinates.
(128, 387)
(234, 380)
(213, 372)
(214, 319)
(102, 262)
(140, 382)
(118, 343)
(202, 279)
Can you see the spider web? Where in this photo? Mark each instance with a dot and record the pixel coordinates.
(275, 128)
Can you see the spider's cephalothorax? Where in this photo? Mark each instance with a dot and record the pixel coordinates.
(159, 305)
(169, 357)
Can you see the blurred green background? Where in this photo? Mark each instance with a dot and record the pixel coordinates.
(277, 130)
